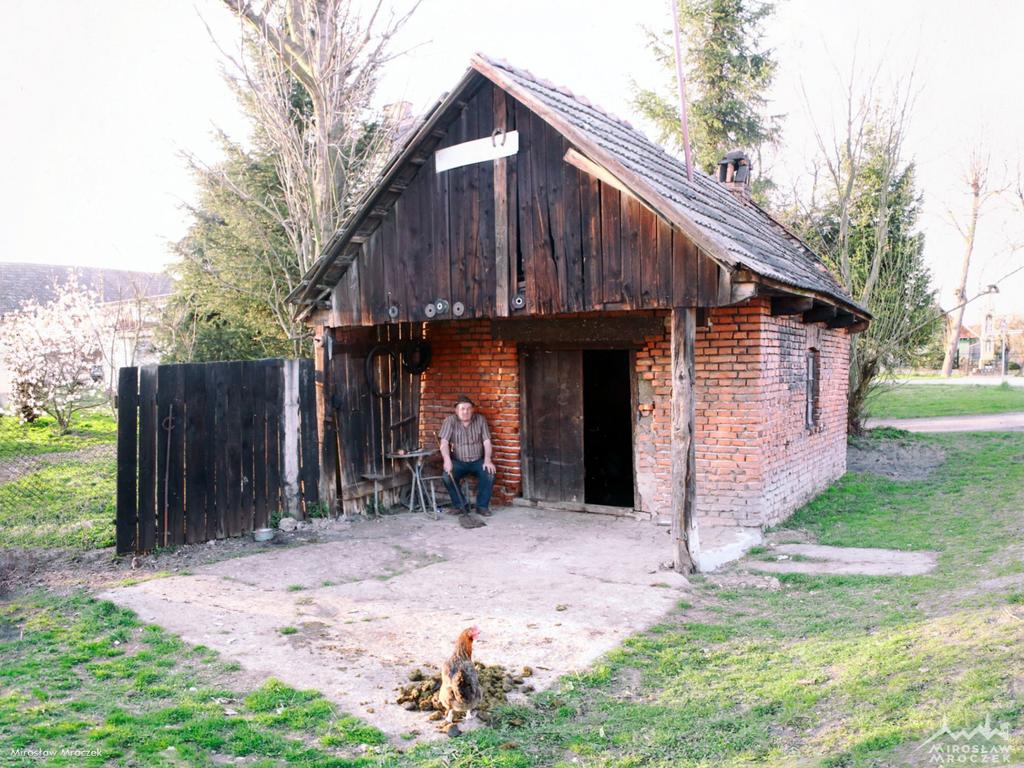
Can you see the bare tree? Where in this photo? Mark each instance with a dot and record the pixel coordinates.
(306, 73)
(859, 167)
(125, 331)
(977, 181)
(871, 127)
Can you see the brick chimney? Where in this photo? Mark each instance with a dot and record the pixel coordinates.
(400, 118)
(734, 171)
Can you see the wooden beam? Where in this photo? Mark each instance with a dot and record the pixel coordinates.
(589, 167)
(742, 292)
(819, 313)
(684, 461)
(602, 174)
(501, 249)
(578, 330)
(859, 327)
(842, 320)
(791, 305)
(327, 424)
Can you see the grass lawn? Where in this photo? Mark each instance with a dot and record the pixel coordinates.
(65, 502)
(70, 504)
(830, 671)
(94, 427)
(906, 401)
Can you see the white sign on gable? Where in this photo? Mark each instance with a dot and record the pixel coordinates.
(477, 151)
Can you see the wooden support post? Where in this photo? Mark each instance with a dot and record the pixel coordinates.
(326, 432)
(290, 438)
(501, 249)
(684, 462)
(127, 460)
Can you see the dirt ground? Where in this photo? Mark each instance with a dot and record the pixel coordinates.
(821, 559)
(552, 590)
(982, 422)
(66, 569)
(895, 459)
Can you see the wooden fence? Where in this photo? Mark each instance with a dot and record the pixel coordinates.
(213, 450)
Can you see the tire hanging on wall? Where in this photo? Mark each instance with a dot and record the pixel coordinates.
(371, 380)
(416, 356)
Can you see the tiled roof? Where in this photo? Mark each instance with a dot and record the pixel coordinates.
(747, 235)
(20, 282)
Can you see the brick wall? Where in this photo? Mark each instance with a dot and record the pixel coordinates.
(802, 461)
(467, 361)
(756, 460)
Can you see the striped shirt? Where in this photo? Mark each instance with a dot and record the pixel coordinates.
(466, 440)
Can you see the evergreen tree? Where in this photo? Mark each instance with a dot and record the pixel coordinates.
(728, 73)
(235, 267)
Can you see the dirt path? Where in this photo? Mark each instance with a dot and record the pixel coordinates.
(982, 422)
(552, 590)
(821, 559)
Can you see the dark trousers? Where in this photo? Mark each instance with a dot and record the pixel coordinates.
(484, 479)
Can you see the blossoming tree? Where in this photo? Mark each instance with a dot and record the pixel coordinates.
(54, 353)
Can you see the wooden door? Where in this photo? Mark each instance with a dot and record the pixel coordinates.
(553, 424)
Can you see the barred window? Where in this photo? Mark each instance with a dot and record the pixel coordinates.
(813, 388)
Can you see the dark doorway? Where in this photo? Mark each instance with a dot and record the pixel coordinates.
(607, 428)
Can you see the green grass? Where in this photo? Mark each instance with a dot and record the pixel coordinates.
(904, 401)
(841, 671)
(82, 675)
(95, 427)
(65, 503)
(70, 504)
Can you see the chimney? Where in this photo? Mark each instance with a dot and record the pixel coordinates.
(734, 172)
(400, 118)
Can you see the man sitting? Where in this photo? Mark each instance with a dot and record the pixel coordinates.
(465, 434)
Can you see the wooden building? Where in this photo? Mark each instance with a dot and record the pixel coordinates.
(641, 343)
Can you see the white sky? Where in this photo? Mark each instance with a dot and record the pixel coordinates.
(100, 97)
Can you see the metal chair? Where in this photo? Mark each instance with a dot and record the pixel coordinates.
(376, 479)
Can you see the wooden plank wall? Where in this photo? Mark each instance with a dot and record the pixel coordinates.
(369, 428)
(576, 243)
(200, 450)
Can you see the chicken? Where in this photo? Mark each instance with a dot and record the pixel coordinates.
(460, 684)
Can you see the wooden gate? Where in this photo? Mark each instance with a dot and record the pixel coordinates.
(553, 424)
(370, 428)
(213, 450)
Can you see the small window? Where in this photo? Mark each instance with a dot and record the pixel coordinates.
(813, 388)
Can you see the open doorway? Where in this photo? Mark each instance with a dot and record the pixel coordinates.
(607, 428)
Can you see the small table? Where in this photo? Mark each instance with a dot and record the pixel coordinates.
(417, 491)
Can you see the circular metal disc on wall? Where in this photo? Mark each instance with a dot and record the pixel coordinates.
(393, 311)
(518, 301)
(430, 310)
(458, 309)
(441, 305)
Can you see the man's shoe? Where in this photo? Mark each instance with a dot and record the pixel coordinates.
(484, 511)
